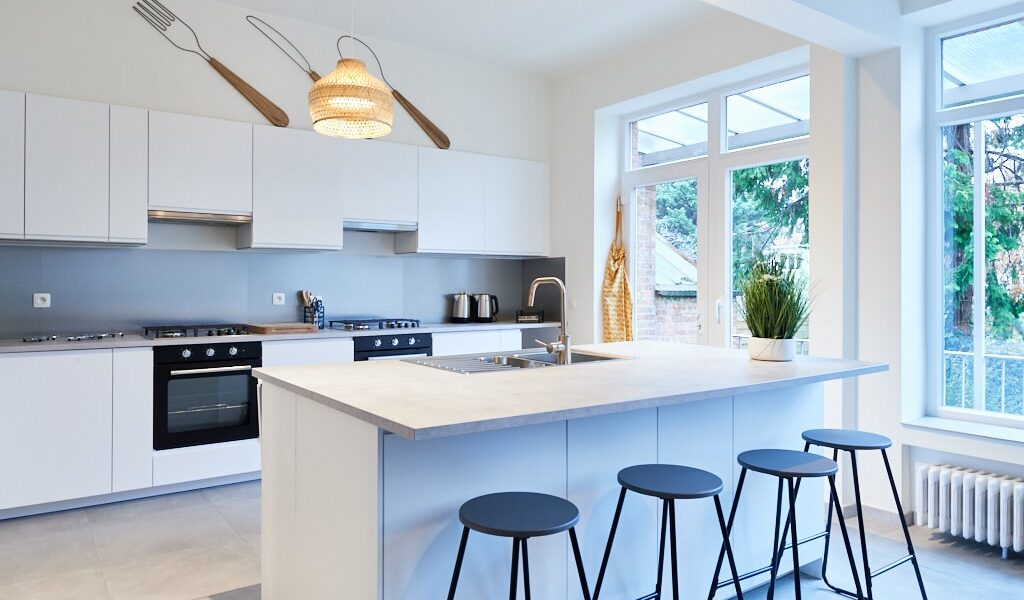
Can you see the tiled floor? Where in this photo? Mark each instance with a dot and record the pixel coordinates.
(205, 545)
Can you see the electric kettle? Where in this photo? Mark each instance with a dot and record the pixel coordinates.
(485, 308)
(462, 308)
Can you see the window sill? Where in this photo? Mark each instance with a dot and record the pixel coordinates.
(985, 430)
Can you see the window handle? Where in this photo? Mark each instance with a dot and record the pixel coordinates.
(718, 311)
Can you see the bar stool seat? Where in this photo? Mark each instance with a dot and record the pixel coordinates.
(670, 482)
(847, 439)
(519, 514)
(787, 463)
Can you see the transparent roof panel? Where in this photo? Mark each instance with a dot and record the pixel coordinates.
(771, 113)
(983, 64)
(670, 136)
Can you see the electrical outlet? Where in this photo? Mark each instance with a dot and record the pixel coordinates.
(278, 298)
(41, 300)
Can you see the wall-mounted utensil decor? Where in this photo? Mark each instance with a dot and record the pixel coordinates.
(295, 55)
(183, 37)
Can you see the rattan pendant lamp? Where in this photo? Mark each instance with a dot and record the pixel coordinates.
(349, 102)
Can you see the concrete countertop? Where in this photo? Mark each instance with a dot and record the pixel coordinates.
(135, 341)
(419, 402)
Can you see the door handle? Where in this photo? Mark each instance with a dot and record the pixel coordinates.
(211, 370)
(718, 311)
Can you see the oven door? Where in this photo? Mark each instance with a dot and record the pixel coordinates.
(204, 403)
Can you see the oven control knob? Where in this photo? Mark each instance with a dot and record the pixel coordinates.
(210, 352)
(412, 341)
(377, 343)
(232, 351)
(394, 341)
(186, 353)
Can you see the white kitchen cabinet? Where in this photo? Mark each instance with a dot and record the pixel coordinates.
(451, 204)
(307, 352)
(129, 175)
(67, 152)
(471, 342)
(132, 460)
(516, 207)
(195, 463)
(198, 164)
(56, 427)
(12, 165)
(379, 181)
(297, 191)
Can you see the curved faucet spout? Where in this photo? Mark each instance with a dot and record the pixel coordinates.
(562, 347)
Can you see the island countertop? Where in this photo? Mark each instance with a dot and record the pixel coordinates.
(418, 402)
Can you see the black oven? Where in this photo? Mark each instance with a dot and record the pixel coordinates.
(388, 346)
(204, 394)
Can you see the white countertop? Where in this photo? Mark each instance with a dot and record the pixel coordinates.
(418, 402)
(134, 341)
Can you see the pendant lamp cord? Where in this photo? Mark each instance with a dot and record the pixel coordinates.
(355, 39)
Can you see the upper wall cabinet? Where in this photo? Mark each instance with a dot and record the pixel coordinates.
(379, 180)
(297, 196)
(129, 177)
(198, 164)
(12, 165)
(516, 212)
(67, 151)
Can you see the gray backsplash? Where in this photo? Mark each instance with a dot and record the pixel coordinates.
(125, 288)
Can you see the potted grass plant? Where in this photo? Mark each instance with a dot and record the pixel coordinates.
(775, 306)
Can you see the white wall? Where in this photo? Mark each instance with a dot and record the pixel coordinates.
(101, 50)
(584, 180)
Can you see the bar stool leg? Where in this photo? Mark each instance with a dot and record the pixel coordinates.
(458, 563)
(860, 526)
(526, 571)
(846, 536)
(775, 543)
(515, 569)
(579, 563)
(661, 550)
(796, 545)
(672, 538)
(728, 550)
(828, 530)
(728, 532)
(903, 522)
(608, 546)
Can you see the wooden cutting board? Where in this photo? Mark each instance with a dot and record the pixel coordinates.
(269, 328)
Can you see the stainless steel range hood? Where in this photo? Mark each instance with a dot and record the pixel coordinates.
(379, 226)
(173, 216)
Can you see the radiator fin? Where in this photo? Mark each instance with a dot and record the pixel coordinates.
(974, 505)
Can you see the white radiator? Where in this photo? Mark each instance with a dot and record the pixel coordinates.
(975, 505)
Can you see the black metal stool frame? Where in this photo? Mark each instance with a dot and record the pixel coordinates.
(517, 543)
(668, 520)
(781, 545)
(868, 573)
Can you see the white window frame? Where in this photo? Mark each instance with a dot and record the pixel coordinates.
(939, 117)
(713, 173)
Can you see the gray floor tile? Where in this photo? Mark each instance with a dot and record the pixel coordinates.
(184, 573)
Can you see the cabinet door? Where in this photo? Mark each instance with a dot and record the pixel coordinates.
(12, 165)
(379, 180)
(66, 169)
(297, 192)
(517, 207)
(511, 339)
(466, 342)
(55, 434)
(452, 207)
(197, 164)
(132, 419)
(307, 352)
(129, 177)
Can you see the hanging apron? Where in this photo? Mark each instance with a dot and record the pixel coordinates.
(616, 299)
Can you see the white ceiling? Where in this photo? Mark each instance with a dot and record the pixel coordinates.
(541, 36)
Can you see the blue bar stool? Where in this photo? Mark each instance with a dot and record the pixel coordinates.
(790, 467)
(520, 516)
(851, 441)
(668, 483)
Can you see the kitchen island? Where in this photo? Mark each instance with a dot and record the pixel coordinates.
(365, 466)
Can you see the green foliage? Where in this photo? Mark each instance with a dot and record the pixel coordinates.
(768, 201)
(676, 215)
(775, 302)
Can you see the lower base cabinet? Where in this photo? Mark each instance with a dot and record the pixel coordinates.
(55, 433)
(307, 352)
(470, 342)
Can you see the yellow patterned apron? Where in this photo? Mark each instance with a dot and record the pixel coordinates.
(616, 299)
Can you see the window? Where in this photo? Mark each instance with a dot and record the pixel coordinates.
(771, 113)
(979, 188)
(670, 136)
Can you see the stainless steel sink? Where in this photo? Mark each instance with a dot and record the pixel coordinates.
(492, 362)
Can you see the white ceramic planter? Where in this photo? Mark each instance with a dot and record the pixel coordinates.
(773, 350)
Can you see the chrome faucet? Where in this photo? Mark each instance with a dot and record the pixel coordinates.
(563, 347)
